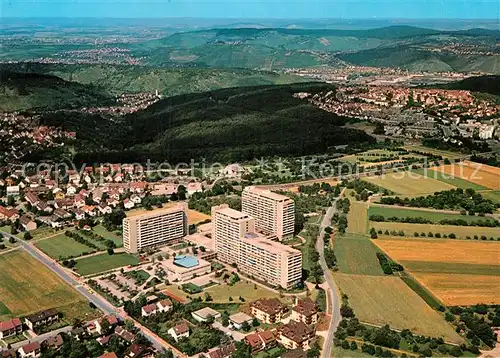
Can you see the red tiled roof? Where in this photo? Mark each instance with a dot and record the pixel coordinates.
(181, 328)
(8, 325)
(31, 347)
(269, 306)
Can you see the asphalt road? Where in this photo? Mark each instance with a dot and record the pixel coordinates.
(85, 291)
(334, 298)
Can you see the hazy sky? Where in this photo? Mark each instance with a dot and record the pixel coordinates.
(415, 9)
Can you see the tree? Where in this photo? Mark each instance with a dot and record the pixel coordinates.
(245, 326)
(354, 346)
(255, 322)
(11, 201)
(27, 236)
(225, 319)
(110, 251)
(105, 326)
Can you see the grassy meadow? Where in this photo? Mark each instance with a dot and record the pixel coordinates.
(27, 286)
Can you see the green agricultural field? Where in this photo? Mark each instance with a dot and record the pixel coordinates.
(27, 286)
(492, 195)
(451, 268)
(460, 231)
(383, 300)
(108, 235)
(62, 246)
(356, 254)
(103, 262)
(434, 216)
(4, 311)
(446, 178)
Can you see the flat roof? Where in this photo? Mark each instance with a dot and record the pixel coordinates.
(234, 214)
(205, 312)
(268, 193)
(186, 261)
(148, 213)
(266, 244)
(240, 317)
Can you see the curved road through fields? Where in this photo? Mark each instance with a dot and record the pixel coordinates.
(333, 297)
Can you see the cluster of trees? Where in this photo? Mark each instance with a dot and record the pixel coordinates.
(388, 266)
(364, 189)
(110, 244)
(477, 321)
(106, 292)
(421, 220)
(315, 188)
(221, 193)
(492, 160)
(113, 220)
(464, 145)
(411, 220)
(80, 240)
(454, 199)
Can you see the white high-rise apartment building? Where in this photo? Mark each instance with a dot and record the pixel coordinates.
(154, 228)
(258, 255)
(273, 213)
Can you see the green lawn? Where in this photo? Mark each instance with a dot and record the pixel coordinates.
(108, 235)
(356, 254)
(104, 262)
(446, 178)
(4, 310)
(434, 216)
(62, 246)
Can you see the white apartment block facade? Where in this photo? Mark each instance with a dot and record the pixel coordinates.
(273, 213)
(155, 228)
(255, 254)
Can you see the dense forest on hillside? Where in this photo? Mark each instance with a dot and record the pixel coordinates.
(484, 84)
(118, 79)
(27, 91)
(224, 125)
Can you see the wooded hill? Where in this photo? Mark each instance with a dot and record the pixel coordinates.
(224, 125)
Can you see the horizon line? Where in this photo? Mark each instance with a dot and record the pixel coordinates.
(256, 18)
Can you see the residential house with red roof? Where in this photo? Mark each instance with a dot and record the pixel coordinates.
(10, 328)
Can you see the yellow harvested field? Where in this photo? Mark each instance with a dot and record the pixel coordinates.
(476, 173)
(357, 217)
(435, 250)
(27, 286)
(460, 231)
(195, 217)
(409, 183)
(462, 290)
(388, 300)
(457, 272)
